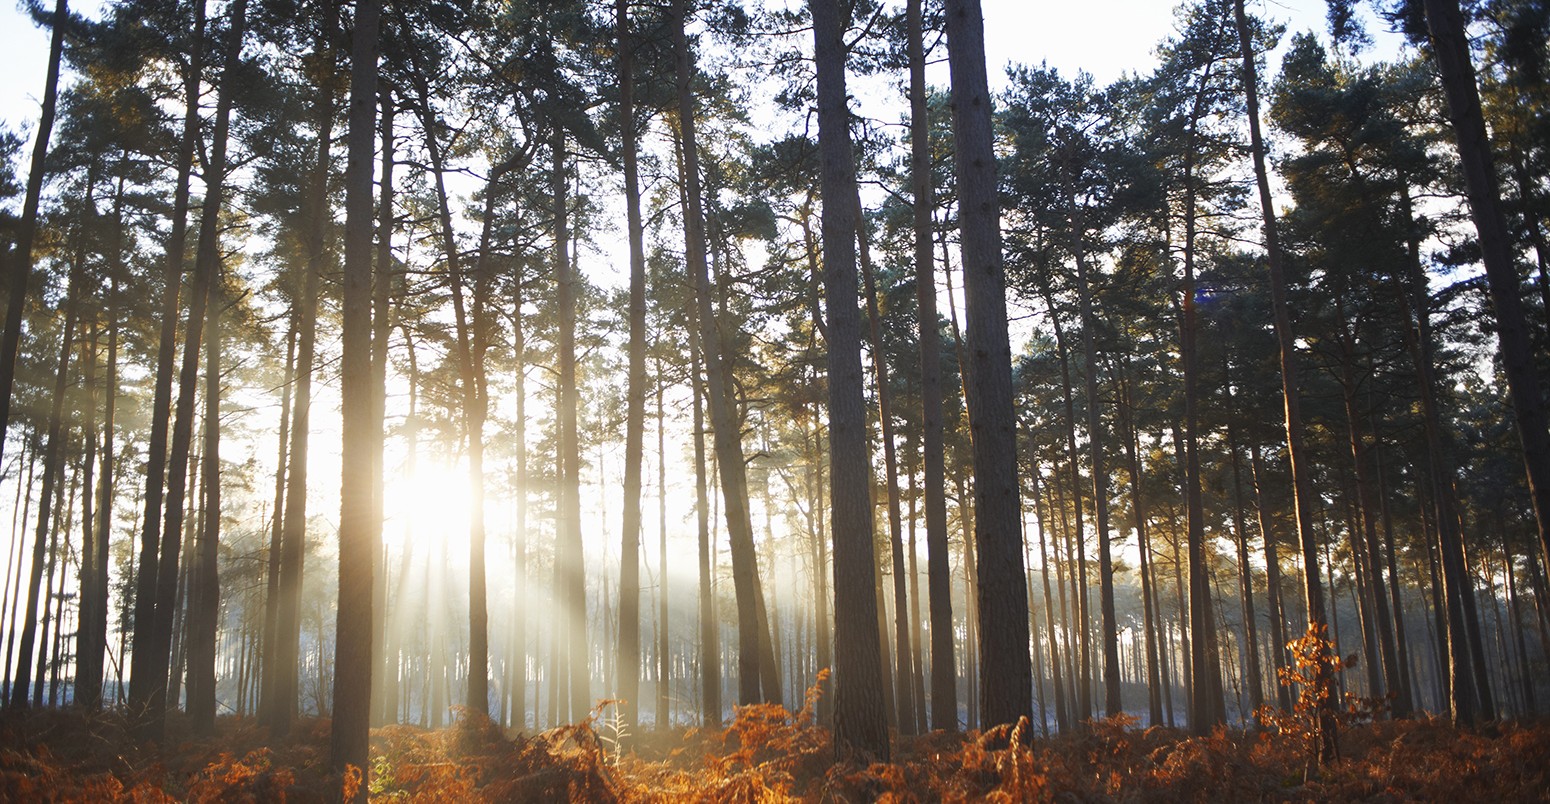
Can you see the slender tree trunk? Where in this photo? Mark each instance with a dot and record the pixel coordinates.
(267, 660)
(52, 467)
(383, 643)
(728, 445)
(21, 265)
(360, 525)
(664, 713)
(635, 425)
(1138, 508)
(1112, 704)
(205, 591)
(1302, 490)
(206, 274)
(710, 628)
(568, 554)
(144, 662)
(1450, 49)
(281, 703)
(944, 693)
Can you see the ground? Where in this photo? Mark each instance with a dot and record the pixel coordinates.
(769, 755)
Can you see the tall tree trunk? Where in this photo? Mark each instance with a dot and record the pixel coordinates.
(1112, 705)
(723, 417)
(206, 271)
(1138, 508)
(143, 663)
(1245, 578)
(267, 657)
(664, 712)
(710, 623)
(1082, 683)
(1464, 690)
(1006, 691)
(1062, 711)
(903, 700)
(569, 551)
(52, 467)
(944, 691)
(281, 703)
(21, 265)
(385, 678)
(635, 424)
(1450, 49)
(204, 597)
(92, 641)
(360, 528)
(860, 721)
(1291, 390)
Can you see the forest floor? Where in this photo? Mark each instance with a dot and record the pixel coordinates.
(768, 755)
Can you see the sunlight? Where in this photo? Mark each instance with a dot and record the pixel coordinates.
(429, 506)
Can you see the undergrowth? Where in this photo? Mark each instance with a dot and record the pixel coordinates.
(769, 754)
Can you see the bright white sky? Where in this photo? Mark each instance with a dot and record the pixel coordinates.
(1107, 38)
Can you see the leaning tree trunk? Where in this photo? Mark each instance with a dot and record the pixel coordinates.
(1006, 690)
(52, 460)
(1450, 48)
(723, 418)
(142, 669)
(1291, 390)
(21, 265)
(206, 268)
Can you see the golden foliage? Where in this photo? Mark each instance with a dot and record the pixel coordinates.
(768, 754)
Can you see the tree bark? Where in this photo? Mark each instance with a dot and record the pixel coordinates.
(21, 267)
(723, 418)
(860, 720)
(1450, 49)
(635, 425)
(1006, 672)
(360, 527)
(143, 660)
(944, 689)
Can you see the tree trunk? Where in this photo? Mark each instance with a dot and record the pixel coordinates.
(1112, 704)
(710, 625)
(1006, 689)
(206, 271)
(635, 425)
(728, 443)
(281, 703)
(385, 678)
(52, 466)
(143, 663)
(860, 722)
(267, 655)
(568, 552)
(21, 265)
(204, 598)
(944, 692)
(1302, 489)
(1450, 49)
(360, 526)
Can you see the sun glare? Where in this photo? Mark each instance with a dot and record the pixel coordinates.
(429, 506)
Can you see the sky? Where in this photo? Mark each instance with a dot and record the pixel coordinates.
(1107, 38)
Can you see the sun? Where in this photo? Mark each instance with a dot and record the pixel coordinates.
(429, 506)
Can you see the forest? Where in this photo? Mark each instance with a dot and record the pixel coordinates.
(749, 400)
